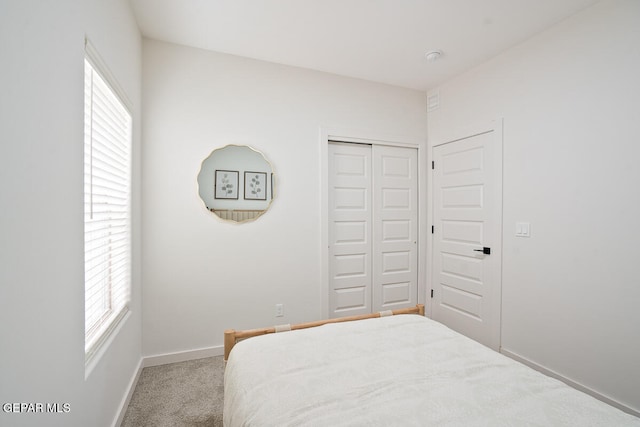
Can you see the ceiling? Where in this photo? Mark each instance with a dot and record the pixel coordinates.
(379, 40)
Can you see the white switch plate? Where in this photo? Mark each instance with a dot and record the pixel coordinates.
(523, 229)
(279, 310)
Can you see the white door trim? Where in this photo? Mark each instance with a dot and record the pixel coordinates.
(456, 135)
(359, 136)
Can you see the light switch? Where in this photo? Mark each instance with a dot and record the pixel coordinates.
(523, 229)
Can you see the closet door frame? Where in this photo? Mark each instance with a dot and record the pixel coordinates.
(356, 136)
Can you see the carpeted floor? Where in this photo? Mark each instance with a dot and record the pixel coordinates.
(188, 394)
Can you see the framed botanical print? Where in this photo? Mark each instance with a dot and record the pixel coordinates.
(226, 184)
(255, 185)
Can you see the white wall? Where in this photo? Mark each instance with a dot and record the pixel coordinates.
(41, 220)
(570, 99)
(203, 275)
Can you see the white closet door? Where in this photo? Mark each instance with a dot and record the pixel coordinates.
(350, 234)
(395, 227)
(373, 228)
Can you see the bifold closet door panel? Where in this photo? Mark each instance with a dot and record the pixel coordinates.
(350, 229)
(395, 227)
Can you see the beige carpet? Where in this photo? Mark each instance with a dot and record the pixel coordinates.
(179, 394)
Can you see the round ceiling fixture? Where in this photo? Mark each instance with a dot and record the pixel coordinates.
(433, 55)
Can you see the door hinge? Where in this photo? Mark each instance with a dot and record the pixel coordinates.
(431, 293)
(432, 229)
(433, 164)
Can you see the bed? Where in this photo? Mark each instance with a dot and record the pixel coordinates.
(393, 370)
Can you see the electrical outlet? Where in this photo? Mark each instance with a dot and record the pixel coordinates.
(279, 310)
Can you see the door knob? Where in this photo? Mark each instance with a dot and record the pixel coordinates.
(485, 250)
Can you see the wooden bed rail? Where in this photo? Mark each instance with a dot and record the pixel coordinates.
(231, 336)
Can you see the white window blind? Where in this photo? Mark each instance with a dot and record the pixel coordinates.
(107, 209)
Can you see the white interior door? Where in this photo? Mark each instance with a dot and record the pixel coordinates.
(350, 234)
(373, 228)
(395, 227)
(467, 200)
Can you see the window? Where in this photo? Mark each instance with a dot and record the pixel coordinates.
(107, 208)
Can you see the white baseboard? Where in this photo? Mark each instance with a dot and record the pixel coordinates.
(127, 398)
(183, 356)
(569, 382)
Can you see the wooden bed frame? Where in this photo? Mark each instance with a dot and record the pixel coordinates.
(231, 336)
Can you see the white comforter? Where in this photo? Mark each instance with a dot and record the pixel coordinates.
(395, 371)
